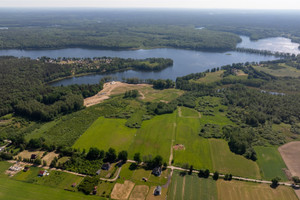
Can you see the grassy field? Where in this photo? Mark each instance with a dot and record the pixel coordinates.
(191, 187)
(197, 149)
(211, 77)
(281, 71)
(17, 190)
(225, 161)
(237, 190)
(270, 163)
(166, 95)
(188, 112)
(55, 179)
(105, 133)
(154, 137)
(20, 187)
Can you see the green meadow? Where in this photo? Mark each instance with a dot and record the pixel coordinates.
(197, 149)
(105, 133)
(155, 136)
(225, 161)
(270, 163)
(21, 187)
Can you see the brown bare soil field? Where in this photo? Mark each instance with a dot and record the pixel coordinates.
(27, 154)
(238, 190)
(290, 153)
(49, 157)
(163, 195)
(122, 191)
(112, 88)
(139, 192)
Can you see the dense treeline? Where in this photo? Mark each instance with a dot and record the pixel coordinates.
(49, 30)
(108, 64)
(25, 92)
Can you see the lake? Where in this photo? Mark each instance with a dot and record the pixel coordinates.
(279, 44)
(185, 61)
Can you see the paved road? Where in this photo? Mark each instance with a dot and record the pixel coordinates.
(169, 167)
(233, 177)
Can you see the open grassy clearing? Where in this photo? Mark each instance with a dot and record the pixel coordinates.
(237, 190)
(197, 149)
(225, 161)
(165, 95)
(105, 188)
(191, 187)
(154, 137)
(17, 190)
(105, 133)
(211, 77)
(3, 167)
(270, 163)
(188, 112)
(281, 70)
(286, 130)
(212, 111)
(55, 179)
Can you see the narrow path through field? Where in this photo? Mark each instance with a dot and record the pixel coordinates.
(172, 143)
(113, 179)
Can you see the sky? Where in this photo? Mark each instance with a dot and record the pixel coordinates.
(201, 4)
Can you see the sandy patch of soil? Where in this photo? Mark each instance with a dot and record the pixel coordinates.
(290, 153)
(112, 88)
(27, 154)
(139, 192)
(122, 191)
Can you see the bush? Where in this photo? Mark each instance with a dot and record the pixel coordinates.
(216, 175)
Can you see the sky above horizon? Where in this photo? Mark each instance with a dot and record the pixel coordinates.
(204, 4)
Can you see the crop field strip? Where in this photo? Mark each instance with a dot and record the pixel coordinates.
(270, 163)
(237, 190)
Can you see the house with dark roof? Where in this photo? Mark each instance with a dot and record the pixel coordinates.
(33, 156)
(105, 166)
(156, 171)
(157, 191)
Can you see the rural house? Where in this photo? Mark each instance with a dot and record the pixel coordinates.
(157, 191)
(33, 156)
(105, 166)
(156, 171)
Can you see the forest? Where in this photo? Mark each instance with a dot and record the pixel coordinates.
(102, 29)
(24, 88)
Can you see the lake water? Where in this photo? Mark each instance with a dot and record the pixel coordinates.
(278, 44)
(185, 61)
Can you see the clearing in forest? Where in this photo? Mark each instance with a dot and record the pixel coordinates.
(237, 190)
(211, 77)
